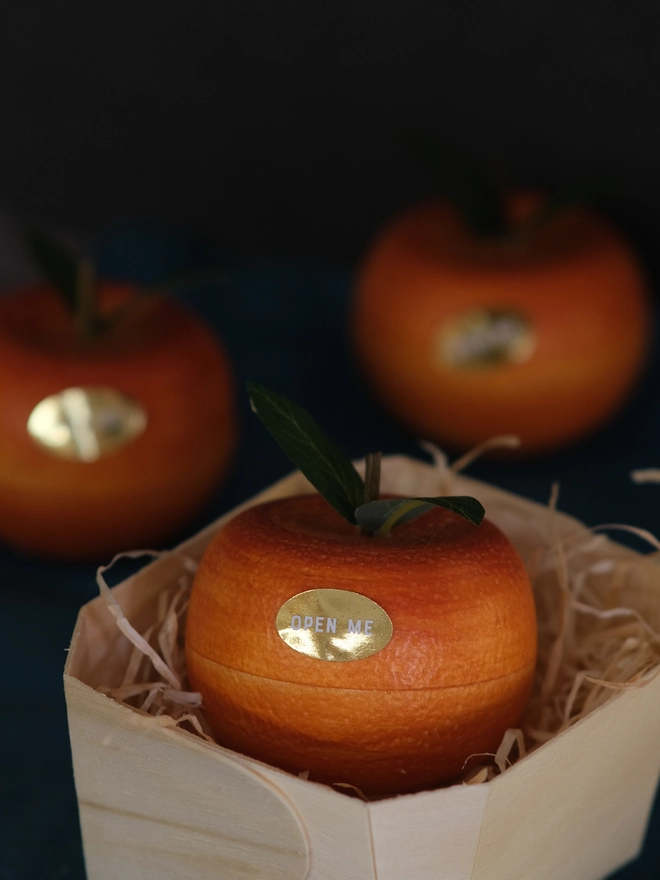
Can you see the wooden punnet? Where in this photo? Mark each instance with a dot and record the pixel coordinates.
(567, 797)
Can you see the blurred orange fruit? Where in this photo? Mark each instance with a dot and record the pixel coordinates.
(113, 442)
(541, 333)
(454, 674)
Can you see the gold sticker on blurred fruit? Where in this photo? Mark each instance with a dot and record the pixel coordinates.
(85, 424)
(336, 625)
(484, 337)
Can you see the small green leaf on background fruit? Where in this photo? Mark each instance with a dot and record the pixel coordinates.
(56, 263)
(326, 467)
(379, 517)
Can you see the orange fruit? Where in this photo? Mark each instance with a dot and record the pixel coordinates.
(454, 675)
(79, 482)
(540, 334)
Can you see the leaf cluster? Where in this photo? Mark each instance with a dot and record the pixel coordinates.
(333, 474)
(72, 277)
(476, 189)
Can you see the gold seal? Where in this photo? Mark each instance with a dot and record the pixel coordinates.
(484, 337)
(86, 424)
(336, 625)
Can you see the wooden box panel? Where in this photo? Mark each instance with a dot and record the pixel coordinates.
(158, 803)
(168, 802)
(578, 806)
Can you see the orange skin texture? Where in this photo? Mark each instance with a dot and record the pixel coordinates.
(576, 280)
(455, 675)
(160, 355)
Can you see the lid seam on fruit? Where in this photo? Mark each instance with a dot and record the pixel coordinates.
(392, 689)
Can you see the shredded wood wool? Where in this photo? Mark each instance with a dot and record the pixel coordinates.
(598, 608)
(155, 678)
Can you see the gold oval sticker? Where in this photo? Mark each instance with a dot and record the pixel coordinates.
(484, 337)
(85, 424)
(336, 625)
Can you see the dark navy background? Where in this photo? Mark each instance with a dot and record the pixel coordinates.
(284, 325)
(274, 125)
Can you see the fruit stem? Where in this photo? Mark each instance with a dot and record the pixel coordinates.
(371, 483)
(372, 476)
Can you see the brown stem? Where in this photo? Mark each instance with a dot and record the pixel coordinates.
(372, 476)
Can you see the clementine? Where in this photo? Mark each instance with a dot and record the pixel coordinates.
(109, 442)
(380, 662)
(540, 332)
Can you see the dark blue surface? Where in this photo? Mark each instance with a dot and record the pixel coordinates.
(284, 326)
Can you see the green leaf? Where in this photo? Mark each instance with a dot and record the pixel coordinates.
(378, 517)
(465, 181)
(326, 467)
(56, 263)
